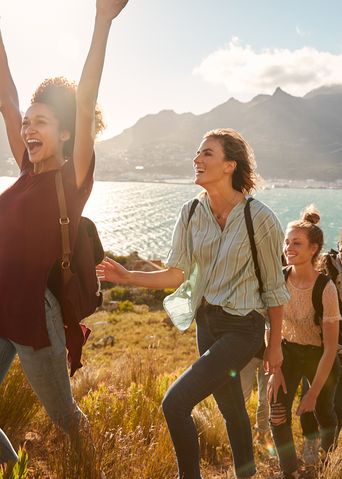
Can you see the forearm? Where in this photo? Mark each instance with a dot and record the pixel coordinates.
(8, 91)
(88, 87)
(167, 278)
(323, 371)
(275, 316)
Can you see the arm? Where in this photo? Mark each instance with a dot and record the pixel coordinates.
(330, 330)
(110, 270)
(269, 243)
(330, 335)
(273, 356)
(87, 91)
(9, 106)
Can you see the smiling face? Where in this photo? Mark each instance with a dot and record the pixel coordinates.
(42, 135)
(297, 248)
(210, 164)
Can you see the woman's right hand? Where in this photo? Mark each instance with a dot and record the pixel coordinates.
(275, 381)
(110, 270)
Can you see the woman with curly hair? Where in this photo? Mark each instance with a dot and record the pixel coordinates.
(309, 349)
(57, 132)
(212, 251)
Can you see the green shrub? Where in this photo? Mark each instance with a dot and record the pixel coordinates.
(125, 306)
(120, 293)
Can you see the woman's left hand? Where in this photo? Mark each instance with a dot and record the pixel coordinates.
(274, 383)
(307, 404)
(110, 8)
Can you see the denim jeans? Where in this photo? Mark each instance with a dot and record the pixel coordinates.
(46, 371)
(308, 420)
(299, 361)
(255, 369)
(226, 343)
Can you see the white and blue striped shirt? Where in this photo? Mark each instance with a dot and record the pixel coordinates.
(225, 269)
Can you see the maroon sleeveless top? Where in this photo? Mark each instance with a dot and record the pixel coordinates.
(30, 243)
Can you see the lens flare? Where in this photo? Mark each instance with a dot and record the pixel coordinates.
(270, 448)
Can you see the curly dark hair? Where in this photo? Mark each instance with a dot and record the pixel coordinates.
(59, 94)
(237, 149)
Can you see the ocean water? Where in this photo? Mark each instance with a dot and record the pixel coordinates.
(134, 216)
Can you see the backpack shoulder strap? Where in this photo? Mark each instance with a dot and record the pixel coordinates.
(286, 272)
(250, 231)
(317, 293)
(192, 209)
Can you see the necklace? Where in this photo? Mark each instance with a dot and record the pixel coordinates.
(226, 211)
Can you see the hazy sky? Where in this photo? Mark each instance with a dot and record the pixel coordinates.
(185, 55)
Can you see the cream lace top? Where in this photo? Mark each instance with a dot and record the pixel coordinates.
(299, 325)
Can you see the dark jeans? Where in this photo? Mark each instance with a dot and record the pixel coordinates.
(302, 361)
(308, 420)
(226, 343)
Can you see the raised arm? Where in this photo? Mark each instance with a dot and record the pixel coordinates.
(87, 91)
(9, 106)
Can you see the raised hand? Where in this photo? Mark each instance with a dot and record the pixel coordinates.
(110, 270)
(110, 8)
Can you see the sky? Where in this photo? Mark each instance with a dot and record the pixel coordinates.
(184, 55)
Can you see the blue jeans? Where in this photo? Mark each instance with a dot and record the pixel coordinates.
(302, 360)
(226, 343)
(46, 370)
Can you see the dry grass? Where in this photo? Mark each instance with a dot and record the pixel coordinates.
(120, 389)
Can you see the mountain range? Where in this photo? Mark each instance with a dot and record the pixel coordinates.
(292, 137)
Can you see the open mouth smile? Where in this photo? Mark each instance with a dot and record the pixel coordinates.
(33, 144)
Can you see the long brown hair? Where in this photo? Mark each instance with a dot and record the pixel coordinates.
(237, 149)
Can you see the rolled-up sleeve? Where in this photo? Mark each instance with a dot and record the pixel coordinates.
(178, 256)
(269, 243)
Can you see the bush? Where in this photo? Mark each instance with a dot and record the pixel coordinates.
(125, 306)
(119, 293)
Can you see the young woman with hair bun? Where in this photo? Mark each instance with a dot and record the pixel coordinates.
(309, 350)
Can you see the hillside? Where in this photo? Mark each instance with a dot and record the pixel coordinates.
(293, 137)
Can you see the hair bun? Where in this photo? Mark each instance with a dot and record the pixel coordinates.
(311, 214)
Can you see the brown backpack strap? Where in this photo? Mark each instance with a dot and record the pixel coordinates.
(64, 222)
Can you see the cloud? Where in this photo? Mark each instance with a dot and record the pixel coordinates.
(246, 72)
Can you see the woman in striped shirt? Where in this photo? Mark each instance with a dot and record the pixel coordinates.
(212, 251)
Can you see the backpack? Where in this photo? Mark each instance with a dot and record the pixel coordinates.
(73, 278)
(317, 301)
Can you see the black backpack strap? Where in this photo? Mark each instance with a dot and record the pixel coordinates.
(317, 293)
(192, 208)
(250, 231)
(286, 272)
